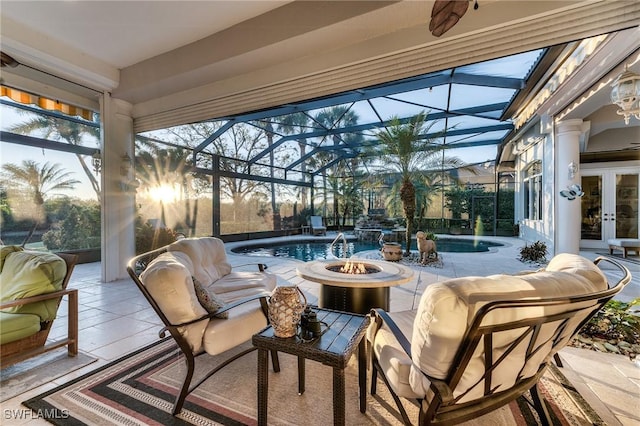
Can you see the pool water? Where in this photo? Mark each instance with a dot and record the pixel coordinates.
(314, 250)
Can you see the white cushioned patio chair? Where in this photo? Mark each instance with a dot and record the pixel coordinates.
(205, 306)
(317, 228)
(475, 344)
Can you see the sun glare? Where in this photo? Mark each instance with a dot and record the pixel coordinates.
(164, 193)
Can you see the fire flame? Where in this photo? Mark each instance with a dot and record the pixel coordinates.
(353, 268)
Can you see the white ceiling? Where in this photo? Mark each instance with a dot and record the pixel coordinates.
(123, 33)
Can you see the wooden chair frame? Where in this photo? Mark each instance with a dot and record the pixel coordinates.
(36, 344)
(135, 267)
(445, 409)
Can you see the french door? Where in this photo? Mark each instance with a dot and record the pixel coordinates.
(609, 206)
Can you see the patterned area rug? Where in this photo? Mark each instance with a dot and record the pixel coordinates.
(139, 389)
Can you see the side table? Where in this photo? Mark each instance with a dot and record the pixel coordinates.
(334, 348)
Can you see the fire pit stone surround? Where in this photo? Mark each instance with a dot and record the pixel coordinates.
(387, 274)
(355, 292)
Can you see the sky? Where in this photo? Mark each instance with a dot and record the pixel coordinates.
(437, 98)
(16, 154)
(13, 153)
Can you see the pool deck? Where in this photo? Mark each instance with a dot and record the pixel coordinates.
(115, 319)
(498, 260)
(610, 383)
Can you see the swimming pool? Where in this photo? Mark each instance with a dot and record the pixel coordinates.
(315, 250)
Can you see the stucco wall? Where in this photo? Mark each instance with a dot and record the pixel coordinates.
(533, 147)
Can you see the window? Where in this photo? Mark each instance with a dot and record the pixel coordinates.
(49, 192)
(532, 188)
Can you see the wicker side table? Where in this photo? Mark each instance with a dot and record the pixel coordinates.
(334, 349)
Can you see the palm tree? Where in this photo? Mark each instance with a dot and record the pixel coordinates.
(158, 167)
(406, 149)
(297, 123)
(349, 198)
(69, 131)
(38, 182)
(274, 208)
(333, 118)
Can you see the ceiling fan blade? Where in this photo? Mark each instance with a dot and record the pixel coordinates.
(445, 14)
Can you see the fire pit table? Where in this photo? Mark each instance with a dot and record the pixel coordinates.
(355, 285)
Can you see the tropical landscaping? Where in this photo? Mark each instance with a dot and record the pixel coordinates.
(400, 170)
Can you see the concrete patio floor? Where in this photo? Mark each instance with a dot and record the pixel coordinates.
(115, 319)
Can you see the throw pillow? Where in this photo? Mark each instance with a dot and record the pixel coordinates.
(208, 299)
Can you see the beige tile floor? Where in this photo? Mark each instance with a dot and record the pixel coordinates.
(115, 319)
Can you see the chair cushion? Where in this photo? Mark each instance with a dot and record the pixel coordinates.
(170, 283)
(6, 251)
(394, 361)
(244, 321)
(29, 273)
(624, 242)
(446, 310)
(243, 284)
(17, 326)
(574, 264)
(207, 257)
(170, 280)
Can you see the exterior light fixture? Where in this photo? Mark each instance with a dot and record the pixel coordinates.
(126, 164)
(573, 169)
(626, 94)
(127, 184)
(130, 186)
(96, 161)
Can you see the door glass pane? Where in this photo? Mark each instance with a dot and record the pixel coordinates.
(591, 208)
(527, 205)
(538, 197)
(627, 206)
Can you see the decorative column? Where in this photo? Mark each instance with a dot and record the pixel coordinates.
(118, 197)
(567, 172)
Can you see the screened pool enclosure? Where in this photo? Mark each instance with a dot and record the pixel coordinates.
(269, 170)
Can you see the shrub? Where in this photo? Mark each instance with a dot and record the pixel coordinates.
(615, 321)
(77, 227)
(149, 237)
(536, 252)
(431, 236)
